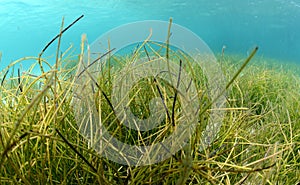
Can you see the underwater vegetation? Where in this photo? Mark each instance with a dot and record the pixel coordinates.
(258, 142)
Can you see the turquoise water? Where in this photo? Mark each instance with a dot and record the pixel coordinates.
(26, 26)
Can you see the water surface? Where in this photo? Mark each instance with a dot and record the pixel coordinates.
(26, 26)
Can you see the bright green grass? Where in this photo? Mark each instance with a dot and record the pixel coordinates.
(258, 142)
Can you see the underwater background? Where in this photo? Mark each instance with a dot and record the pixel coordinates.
(26, 26)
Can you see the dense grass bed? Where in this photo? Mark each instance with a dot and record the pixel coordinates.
(259, 141)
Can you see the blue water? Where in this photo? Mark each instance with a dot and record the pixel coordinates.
(26, 26)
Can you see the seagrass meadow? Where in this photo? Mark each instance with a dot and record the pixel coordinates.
(258, 143)
(169, 92)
